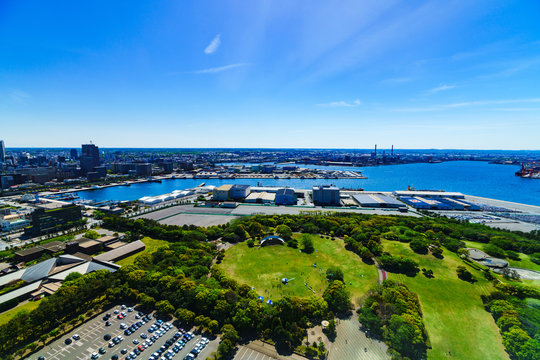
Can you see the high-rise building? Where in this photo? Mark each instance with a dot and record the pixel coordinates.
(73, 154)
(2, 151)
(89, 157)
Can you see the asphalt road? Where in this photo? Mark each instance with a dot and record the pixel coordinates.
(93, 331)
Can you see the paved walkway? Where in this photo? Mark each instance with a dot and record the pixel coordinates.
(382, 274)
(352, 344)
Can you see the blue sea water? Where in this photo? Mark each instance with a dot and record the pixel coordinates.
(469, 177)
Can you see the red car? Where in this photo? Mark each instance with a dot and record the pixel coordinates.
(120, 316)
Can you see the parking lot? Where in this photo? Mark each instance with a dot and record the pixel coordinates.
(249, 354)
(92, 339)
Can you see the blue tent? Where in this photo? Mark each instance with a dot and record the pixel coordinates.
(260, 298)
(269, 302)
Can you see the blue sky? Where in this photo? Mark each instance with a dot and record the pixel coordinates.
(325, 74)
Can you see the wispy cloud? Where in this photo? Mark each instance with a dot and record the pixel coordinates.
(398, 80)
(19, 96)
(341, 104)
(213, 46)
(470, 104)
(220, 69)
(442, 87)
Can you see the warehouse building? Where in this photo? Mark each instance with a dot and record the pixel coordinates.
(239, 192)
(430, 194)
(285, 197)
(326, 195)
(261, 198)
(221, 193)
(377, 201)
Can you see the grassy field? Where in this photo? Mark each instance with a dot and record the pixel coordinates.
(151, 246)
(263, 268)
(7, 315)
(454, 315)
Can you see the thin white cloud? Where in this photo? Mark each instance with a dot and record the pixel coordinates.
(219, 69)
(470, 104)
(398, 80)
(341, 104)
(213, 46)
(442, 87)
(19, 96)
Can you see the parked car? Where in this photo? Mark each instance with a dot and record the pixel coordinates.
(107, 337)
(68, 341)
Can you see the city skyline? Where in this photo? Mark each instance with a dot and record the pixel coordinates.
(437, 75)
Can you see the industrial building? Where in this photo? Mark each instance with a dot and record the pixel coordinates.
(239, 192)
(377, 201)
(261, 198)
(221, 193)
(285, 197)
(430, 194)
(326, 195)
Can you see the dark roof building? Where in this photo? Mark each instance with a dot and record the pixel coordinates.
(121, 252)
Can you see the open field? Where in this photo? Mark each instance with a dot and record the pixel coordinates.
(456, 322)
(28, 306)
(263, 268)
(151, 246)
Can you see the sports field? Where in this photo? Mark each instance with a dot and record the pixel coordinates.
(263, 268)
(456, 322)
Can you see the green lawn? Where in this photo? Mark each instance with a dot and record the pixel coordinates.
(263, 268)
(453, 311)
(7, 315)
(151, 246)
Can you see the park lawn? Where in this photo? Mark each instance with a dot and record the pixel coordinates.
(151, 246)
(454, 315)
(28, 306)
(263, 268)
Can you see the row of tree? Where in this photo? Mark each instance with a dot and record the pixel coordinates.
(519, 327)
(393, 313)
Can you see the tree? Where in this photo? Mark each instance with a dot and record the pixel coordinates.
(465, 274)
(164, 307)
(284, 232)
(91, 234)
(338, 297)
(72, 276)
(334, 273)
(419, 246)
(437, 252)
(307, 244)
